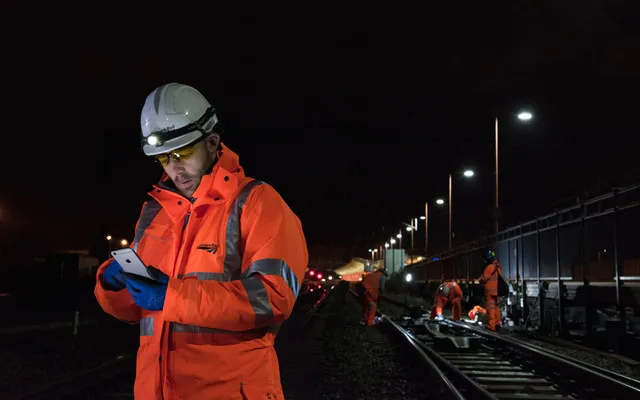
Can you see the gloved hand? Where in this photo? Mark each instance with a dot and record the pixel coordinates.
(113, 277)
(146, 293)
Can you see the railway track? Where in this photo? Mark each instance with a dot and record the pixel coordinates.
(114, 378)
(482, 364)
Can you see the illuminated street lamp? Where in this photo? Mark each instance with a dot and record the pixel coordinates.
(124, 242)
(425, 217)
(522, 116)
(373, 252)
(525, 116)
(109, 241)
(467, 174)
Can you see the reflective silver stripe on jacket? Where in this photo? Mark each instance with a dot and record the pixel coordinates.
(149, 211)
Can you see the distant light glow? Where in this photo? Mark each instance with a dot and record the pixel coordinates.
(468, 173)
(399, 235)
(525, 116)
(324, 280)
(319, 276)
(408, 277)
(312, 273)
(386, 245)
(392, 241)
(440, 202)
(423, 217)
(409, 229)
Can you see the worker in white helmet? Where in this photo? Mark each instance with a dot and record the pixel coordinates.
(227, 255)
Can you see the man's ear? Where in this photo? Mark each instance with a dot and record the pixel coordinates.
(213, 143)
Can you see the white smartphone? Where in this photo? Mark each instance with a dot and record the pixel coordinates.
(130, 262)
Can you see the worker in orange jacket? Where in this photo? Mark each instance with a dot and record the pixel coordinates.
(448, 292)
(227, 255)
(476, 312)
(490, 280)
(372, 286)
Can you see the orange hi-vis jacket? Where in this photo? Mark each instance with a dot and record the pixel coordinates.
(455, 295)
(490, 278)
(372, 281)
(235, 257)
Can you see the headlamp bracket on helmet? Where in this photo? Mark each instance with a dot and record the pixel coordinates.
(158, 138)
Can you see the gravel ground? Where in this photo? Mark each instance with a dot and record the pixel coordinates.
(34, 359)
(365, 363)
(599, 358)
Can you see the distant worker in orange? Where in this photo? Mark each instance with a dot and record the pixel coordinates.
(476, 312)
(226, 254)
(372, 285)
(448, 292)
(490, 280)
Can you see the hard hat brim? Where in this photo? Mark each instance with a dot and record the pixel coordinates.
(172, 144)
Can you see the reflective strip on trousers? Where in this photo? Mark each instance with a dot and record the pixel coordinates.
(146, 326)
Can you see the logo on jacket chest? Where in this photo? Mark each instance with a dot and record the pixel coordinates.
(209, 247)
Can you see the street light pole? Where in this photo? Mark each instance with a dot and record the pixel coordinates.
(412, 228)
(522, 116)
(450, 208)
(497, 207)
(426, 229)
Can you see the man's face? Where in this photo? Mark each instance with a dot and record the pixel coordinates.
(194, 162)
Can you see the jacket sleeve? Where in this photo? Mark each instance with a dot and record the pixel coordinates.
(274, 259)
(119, 304)
(486, 275)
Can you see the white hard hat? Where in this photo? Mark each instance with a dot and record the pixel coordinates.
(173, 116)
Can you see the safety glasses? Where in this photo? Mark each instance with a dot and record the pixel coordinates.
(181, 154)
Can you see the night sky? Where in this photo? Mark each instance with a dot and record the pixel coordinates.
(356, 116)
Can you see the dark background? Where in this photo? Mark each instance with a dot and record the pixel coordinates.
(355, 115)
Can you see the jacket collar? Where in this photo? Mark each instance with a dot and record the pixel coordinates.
(216, 187)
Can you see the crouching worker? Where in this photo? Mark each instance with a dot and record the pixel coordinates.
(448, 292)
(372, 286)
(476, 313)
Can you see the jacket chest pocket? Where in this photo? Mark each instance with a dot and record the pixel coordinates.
(156, 247)
(206, 261)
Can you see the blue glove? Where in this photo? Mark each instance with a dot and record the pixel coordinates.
(113, 277)
(146, 293)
